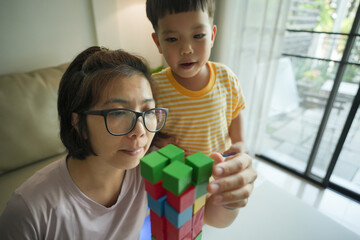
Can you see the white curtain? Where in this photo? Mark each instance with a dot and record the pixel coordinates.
(249, 41)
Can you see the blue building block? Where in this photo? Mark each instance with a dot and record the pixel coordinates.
(177, 219)
(156, 205)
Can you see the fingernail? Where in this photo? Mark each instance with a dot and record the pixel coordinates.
(218, 171)
(214, 187)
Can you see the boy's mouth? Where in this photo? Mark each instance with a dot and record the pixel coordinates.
(187, 65)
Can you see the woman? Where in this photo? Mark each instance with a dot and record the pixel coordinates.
(107, 122)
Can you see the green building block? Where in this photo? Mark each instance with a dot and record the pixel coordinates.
(201, 189)
(177, 177)
(152, 166)
(199, 236)
(173, 152)
(202, 166)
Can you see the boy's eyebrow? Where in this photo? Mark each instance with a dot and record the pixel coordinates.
(199, 26)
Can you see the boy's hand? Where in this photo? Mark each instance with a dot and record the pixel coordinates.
(162, 140)
(237, 147)
(234, 180)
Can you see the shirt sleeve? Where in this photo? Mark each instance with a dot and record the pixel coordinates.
(238, 102)
(17, 222)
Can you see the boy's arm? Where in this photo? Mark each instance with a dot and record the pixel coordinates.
(236, 133)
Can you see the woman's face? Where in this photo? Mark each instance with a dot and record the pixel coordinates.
(122, 152)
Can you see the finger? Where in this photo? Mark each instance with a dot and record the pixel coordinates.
(235, 198)
(227, 184)
(238, 204)
(234, 164)
(218, 158)
(232, 182)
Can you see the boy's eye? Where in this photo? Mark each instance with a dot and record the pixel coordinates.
(171, 39)
(198, 36)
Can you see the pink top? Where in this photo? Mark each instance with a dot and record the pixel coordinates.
(50, 206)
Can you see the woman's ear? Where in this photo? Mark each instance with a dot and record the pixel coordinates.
(75, 121)
(75, 118)
(156, 41)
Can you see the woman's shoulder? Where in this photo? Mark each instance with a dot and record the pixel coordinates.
(43, 187)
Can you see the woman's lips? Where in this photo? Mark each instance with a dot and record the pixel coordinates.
(133, 152)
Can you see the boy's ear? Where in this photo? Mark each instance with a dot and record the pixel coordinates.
(213, 34)
(156, 41)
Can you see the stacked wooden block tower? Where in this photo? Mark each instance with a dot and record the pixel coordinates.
(176, 190)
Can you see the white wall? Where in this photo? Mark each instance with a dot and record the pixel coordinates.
(123, 24)
(42, 33)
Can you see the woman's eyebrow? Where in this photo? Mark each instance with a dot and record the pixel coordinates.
(116, 100)
(125, 102)
(149, 100)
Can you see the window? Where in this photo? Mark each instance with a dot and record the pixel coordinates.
(313, 126)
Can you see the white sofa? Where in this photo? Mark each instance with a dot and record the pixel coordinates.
(29, 126)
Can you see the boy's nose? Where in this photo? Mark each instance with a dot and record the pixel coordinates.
(187, 48)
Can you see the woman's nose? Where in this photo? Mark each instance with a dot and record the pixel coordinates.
(139, 128)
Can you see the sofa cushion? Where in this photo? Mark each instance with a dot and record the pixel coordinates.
(12, 180)
(29, 129)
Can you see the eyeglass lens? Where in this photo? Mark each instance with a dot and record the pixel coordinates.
(122, 121)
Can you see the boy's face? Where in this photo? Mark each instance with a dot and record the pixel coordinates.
(185, 39)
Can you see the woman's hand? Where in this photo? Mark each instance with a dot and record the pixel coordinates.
(234, 180)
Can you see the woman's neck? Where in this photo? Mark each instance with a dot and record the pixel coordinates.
(102, 185)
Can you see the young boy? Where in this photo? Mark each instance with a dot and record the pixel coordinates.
(204, 98)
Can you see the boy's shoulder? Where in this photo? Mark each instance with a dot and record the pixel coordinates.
(159, 74)
(221, 68)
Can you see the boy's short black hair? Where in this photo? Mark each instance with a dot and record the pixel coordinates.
(156, 9)
(87, 78)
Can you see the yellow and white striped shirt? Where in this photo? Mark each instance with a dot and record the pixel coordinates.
(200, 119)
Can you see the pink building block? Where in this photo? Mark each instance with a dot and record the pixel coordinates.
(182, 202)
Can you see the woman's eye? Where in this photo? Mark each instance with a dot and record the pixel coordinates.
(150, 112)
(198, 36)
(171, 39)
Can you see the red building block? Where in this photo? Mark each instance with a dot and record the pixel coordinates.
(182, 202)
(155, 190)
(158, 226)
(197, 222)
(184, 232)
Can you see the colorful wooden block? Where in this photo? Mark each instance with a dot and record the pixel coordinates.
(155, 190)
(158, 228)
(156, 205)
(201, 189)
(177, 177)
(198, 222)
(176, 218)
(182, 202)
(152, 166)
(174, 233)
(198, 204)
(176, 206)
(173, 153)
(202, 166)
(199, 236)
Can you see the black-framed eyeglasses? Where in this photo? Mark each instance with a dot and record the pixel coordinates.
(121, 121)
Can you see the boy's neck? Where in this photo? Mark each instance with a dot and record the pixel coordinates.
(196, 83)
